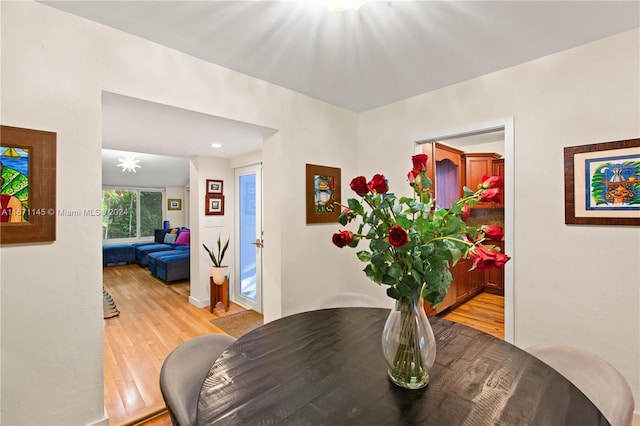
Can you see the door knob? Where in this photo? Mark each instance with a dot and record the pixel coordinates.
(257, 243)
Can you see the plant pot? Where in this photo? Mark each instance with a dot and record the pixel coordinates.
(218, 274)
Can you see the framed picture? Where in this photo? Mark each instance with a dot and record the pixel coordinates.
(602, 183)
(214, 186)
(214, 205)
(323, 192)
(174, 204)
(27, 185)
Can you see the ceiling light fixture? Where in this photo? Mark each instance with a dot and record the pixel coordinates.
(216, 145)
(128, 163)
(343, 5)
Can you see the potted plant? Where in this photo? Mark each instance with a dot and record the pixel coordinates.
(218, 270)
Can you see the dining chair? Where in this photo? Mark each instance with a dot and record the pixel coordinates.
(597, 379)
(184, 371)
(346, 300)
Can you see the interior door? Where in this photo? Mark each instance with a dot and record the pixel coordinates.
(247, 290)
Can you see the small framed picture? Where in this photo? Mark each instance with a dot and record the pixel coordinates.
(214, 186)
(214, 205)
(322, 194)
(174, 204)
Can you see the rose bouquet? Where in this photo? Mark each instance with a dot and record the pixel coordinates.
(412, 247)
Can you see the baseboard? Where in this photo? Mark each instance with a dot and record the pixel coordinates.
(104, 421)
(198, 303)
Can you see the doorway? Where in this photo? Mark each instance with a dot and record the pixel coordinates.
(474, 135)
(247, 290)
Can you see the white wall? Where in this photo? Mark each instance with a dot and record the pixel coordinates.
(176, 218)
(54, 68)
(209, 227)
(577, 285)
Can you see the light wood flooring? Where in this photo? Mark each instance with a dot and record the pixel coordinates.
(485, 312)
(156, 317)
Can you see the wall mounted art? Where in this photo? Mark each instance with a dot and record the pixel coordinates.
(27, 185)
(322, 192)
(214, 205)
(214, 186)
(174, 204)
(602, 183)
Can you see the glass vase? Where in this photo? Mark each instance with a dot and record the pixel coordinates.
(408, 344)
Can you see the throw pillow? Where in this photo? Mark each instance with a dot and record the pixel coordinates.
(183, 237)
(170, 238)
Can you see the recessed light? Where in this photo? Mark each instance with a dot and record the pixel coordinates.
(216, 145)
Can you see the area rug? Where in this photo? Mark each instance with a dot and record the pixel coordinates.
(237, 325)
(109, 306)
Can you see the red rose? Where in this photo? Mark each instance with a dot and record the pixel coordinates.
(398, 236)
(419, 163)
(466, 210)
(342, 238)
(493, 232)
(501, 259)
(359, 186)
(482, 257)
(411, 177)
(378, 185)
(491, 195)
(491, 182)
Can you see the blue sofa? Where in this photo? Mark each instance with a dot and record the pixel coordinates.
(164, 242)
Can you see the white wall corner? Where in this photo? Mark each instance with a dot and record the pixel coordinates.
(104, 421)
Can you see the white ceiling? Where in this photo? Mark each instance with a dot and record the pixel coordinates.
(384, 52)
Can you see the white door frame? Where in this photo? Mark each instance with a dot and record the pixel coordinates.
(236, 295)
(506, 125)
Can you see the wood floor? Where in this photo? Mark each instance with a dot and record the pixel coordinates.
(156, 317)
(485, 312)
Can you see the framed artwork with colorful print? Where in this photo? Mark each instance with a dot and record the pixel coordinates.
(27, 185)
(322, 194)
(602, 183)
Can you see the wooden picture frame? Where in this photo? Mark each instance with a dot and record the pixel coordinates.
(602, 183)
(214, 205)
(214, 186)
(323, 190)
(28, 194)
(174, 204)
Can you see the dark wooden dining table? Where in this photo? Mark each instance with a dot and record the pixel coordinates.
(326, 367)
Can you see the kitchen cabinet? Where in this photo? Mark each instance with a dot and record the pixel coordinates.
(494, 277)
(478, 165)
(445, 168)
(464, 286)
(498, 169)
(468, 283)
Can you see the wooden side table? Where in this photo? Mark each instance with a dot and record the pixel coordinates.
(218, 293)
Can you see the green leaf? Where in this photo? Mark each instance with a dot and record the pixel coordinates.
(393, 293)
(364, 256)
(354, 205)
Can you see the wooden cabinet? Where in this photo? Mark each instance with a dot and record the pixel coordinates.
(445, 168)
(494, 277)
(478, 165)
(498, 169)
(468, 283)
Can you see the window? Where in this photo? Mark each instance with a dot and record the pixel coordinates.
(130, 213)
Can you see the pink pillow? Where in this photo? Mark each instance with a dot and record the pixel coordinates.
(183, 238)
